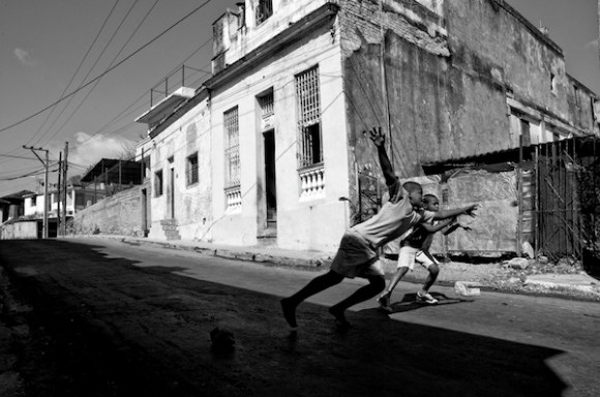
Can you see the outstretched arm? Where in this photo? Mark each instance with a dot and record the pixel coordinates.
(445, 214)
(438, 226)
(386, 166)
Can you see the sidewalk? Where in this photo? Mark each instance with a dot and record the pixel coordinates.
(528, 278)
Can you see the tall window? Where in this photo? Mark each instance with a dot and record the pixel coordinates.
(266, 105)
(158, 183)
(264, 10)
(232, 147)
(191, 169)
(308, 100)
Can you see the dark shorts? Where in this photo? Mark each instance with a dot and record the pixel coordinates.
(356, 258)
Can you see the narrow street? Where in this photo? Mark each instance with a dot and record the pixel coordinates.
(109, 319)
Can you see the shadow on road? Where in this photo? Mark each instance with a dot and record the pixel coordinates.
(409, 302)
(106, 327)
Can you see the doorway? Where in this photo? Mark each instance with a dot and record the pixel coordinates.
(171, 189)
(145, 212)
(270, 178)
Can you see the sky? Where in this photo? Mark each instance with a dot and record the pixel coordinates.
(52, 48)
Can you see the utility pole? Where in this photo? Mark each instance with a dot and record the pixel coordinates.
(66, 186)
(47, 166)
(59, 201)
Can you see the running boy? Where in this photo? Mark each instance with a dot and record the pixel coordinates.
(357, 253)
(415, 248)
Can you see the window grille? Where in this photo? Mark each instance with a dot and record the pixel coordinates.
(232, 147)
(191, 170)
(264, 10)
(158, 183)
(309, 118)
(266, 105)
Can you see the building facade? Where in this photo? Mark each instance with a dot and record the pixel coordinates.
(272, 147)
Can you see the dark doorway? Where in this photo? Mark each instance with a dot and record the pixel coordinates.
(145, 212)
(172, 192)
(270, 177)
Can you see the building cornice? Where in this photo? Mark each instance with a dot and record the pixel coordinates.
(295, 32)
(529, 26)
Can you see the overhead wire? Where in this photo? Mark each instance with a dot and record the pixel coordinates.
(10, 126)
(78, 68)
(111, 63)
(110, 40)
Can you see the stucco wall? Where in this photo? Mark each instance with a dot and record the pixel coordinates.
(120, 214)
(192, 211)
(315, 224)
(19, 230)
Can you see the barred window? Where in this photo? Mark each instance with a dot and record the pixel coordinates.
(308, 100)
(232, 147)
(191, 169)
(158, 183)
(264, 10)
(266, 105)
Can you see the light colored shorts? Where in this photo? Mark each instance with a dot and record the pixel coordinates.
(409, 255)
(356, 258)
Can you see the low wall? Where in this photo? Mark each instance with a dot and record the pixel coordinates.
(119, 214)
(19, 230)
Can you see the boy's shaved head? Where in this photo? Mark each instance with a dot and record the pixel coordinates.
(412, 186)
(428, 198)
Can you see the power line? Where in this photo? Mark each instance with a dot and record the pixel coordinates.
(110, 40)
(107, 70)
(78, 68)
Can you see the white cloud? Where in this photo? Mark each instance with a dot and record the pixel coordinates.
(89, 149)
(23, 56)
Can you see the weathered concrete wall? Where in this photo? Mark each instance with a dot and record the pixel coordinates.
(120, 214)
(449, 72)
(581, 102)
(19, 230)
(491, 40)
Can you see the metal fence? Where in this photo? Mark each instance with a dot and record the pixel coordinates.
(568, 200)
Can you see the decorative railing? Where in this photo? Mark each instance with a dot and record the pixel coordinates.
(233, 199)
(312, 182)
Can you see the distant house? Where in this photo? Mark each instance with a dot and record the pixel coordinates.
(114, 174)
(12, 205)
(78, 198)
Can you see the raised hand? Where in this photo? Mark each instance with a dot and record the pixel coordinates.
(376, 136)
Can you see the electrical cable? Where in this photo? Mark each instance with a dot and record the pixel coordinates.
(106, 71)
(110, 40)
(111, 63)
(78, 69)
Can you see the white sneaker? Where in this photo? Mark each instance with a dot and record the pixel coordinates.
(426, 298)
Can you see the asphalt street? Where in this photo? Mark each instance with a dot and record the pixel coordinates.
(110, 319)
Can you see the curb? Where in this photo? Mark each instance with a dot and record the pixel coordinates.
(583, 292)
(242, 255)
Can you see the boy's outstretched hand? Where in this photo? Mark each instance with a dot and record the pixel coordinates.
(376, 136)
(470, 210)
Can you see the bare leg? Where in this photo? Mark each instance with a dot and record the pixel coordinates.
(385, 297)
(434, 270)
(375, 286)
(315, 286)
